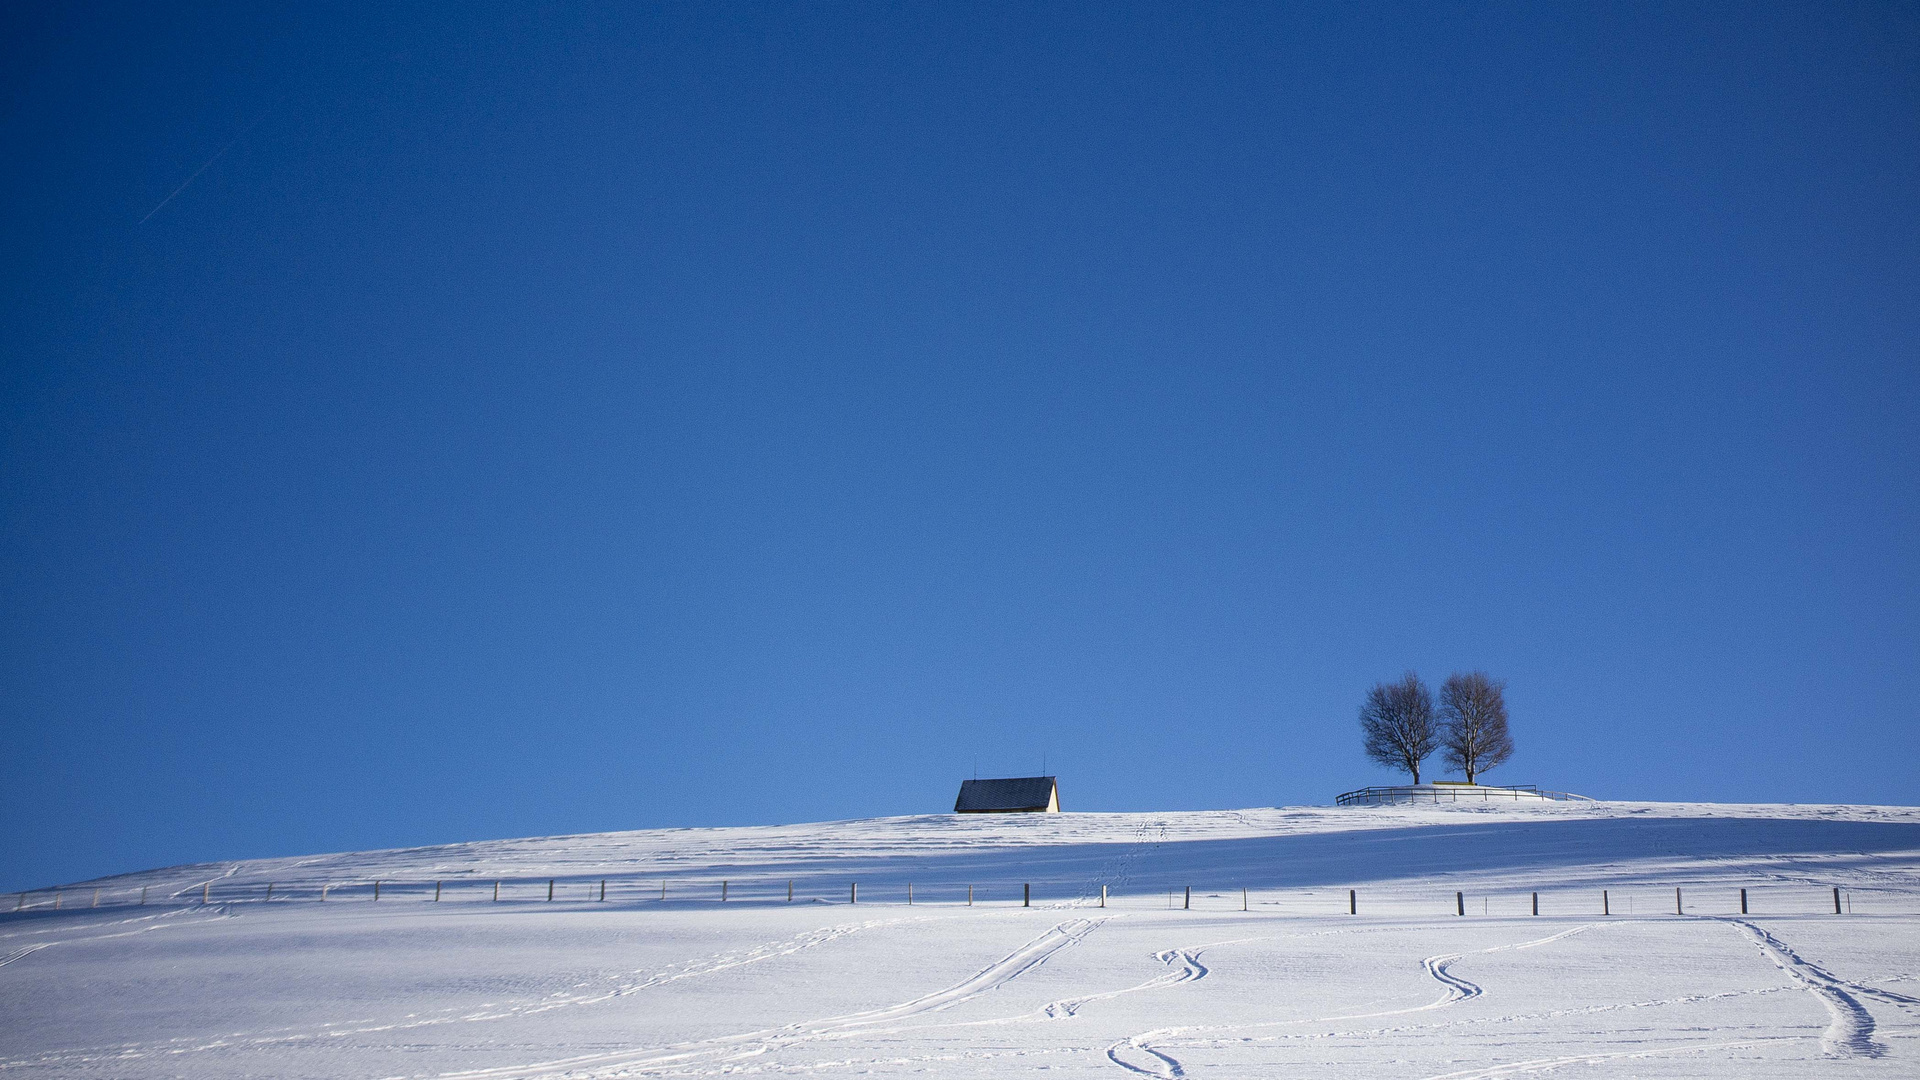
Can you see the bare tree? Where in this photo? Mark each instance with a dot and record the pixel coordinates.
(1473, 713)
(1397, 720)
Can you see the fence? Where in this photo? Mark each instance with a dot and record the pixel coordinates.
(1403, 900)
(1447, 793)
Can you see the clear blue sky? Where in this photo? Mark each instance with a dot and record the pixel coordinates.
(535, 419)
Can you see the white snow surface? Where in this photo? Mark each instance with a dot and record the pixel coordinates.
(1160, 981)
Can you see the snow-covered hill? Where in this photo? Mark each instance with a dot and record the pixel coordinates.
(1390, 851)
(1224, 947)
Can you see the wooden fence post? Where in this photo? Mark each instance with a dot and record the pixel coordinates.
(1605, 908)
(853, 892)
(603, 890)
(143, 896)
(969, 896)
(723, 892)
(376, 888)
(1186, 903)
(1353, 902)
(549, 890)
(1536, 903)
(269, 892)
(1460, 904)
(436, 892)
(96, 896)
(496, 892)
(1743, 901)
(1678, 909)
(1836, 899)
(1026, 895)
(1103, 896)
(206, 892)
(789, 890)
(909, 894)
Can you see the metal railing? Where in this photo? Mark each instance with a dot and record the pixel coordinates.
(1445, 793)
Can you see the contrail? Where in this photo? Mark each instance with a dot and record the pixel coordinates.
(204, 167)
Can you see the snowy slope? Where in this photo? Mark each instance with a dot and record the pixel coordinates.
(1400, 850)
(1146, 985)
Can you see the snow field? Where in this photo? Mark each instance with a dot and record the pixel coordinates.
(1291, 987)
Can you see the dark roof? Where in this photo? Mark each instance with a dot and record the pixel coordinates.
(1012, 793)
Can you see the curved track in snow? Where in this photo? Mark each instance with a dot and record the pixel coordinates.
(1147, 1053)
(634, 983)
(1850, 1034)
(729, 1048)
(1134, 1054)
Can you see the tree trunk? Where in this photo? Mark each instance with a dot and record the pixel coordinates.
(1416, 774)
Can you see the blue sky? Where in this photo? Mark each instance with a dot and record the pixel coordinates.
(535, 420)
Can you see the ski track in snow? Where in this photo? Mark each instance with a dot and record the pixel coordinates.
(718, 962)
(159, 921)
(732, 1048)
(1190, 969)
(18, 953)
(1137, 1055)
(1850, 1034)
(1158, 1064)
(164, 916)
(1152, 1044)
